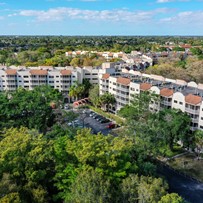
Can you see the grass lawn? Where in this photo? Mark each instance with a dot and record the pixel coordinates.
(189, 165)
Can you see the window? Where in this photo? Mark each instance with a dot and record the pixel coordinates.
(175, 101)
(201, 118)
(201, 126)
(19, 81)
(57, 76)
(51, 76)
(181, 103)
(25, 76)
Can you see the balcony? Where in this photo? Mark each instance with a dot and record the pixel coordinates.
(166, 103)
(195, 120)
(123, 89)
(11, 81)
(122, 95)
(192, 111)
(193, 128)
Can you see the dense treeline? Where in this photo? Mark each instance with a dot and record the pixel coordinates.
(50, 50)
(189, 69)
(56, 163)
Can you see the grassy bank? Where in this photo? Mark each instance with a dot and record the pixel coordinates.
(189, 165)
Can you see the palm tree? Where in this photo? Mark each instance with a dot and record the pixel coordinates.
(106, 100)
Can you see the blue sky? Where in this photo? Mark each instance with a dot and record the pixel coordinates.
(101, 17)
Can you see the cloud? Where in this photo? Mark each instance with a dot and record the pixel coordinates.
(168, 1)
(187, 18)
(59, 14)
(164, 1)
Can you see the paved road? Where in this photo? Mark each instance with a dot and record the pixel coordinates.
(191, 190)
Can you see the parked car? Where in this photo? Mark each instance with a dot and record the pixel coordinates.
(95, 116)
(92, 114)
(99, 118)
(104, 120)
(111, 125)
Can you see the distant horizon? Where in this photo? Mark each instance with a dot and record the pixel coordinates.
(41, 35)
(102, 17)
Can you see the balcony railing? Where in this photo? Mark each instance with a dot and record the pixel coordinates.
(193, 128)
(192, 111)
(123, 89)
(195, 120)
(166, 103)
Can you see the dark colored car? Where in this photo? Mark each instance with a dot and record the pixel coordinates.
(104, 120)
(100, 118)
(97, 116)
(111, 125)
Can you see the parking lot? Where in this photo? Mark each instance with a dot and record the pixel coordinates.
(96, 122)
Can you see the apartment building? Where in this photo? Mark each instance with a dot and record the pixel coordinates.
(60, 78)
(177, 94)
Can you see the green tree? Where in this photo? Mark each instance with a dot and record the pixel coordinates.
(142, 189)
(106, 100)
(36, 113)
(175, 126)
(77, 90)
(172, 198)
(94, 95)
(87, 85)
(90, 187)
(75, 62)
(150, 190)
(11, 198)
(7, 186)
(198, 141)
(129, 189)
(107, 154)
(26, 156)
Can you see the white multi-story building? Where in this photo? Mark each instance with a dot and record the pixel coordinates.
(123, 84)
(178, 94)
(60, 78)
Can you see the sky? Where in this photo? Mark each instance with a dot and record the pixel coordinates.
(101, 17)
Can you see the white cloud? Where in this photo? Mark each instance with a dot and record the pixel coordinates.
(168, 1)
(164, 1)
(187, 18)
(63, 13)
